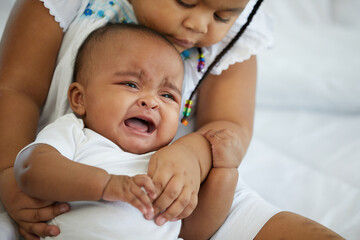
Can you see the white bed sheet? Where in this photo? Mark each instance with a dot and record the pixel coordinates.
(305, 153)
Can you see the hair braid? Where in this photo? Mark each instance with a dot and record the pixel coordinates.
(224, 51)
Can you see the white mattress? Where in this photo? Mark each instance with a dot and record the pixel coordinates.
(305, 153)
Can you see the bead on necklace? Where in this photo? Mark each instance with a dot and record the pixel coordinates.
(201, 61)
(186, 112)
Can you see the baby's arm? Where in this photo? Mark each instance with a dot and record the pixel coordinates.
(42, 172)
(217, 192)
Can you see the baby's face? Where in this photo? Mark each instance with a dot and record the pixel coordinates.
(133, 91)
(189, 23)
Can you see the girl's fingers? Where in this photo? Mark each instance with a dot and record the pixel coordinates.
(27, 236)
(42, 214)
(209, 134)
(41, 229)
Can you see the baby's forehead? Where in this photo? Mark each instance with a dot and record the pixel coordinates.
(133, 50)
(137, 37)
(137, 41)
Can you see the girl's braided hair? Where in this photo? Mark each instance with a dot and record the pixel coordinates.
(225, 50)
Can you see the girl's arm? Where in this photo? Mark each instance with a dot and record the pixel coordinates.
(215, 198)
(28, 51)
(43, 173)
(217, 192)
(226, 101)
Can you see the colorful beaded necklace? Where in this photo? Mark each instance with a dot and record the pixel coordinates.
(200, 68)
(201, 62)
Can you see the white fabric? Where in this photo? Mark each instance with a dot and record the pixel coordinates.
(63, 10)
(101, 220)
(8, 229)
(248, 214)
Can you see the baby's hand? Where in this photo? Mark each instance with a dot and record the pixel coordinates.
(130, 190)
(176, 173)
(226, 148)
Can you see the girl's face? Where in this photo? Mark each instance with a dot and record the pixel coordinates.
(189, 23)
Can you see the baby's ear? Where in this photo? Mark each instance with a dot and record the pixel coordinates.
(77, 99)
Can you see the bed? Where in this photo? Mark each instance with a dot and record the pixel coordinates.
(305, 152)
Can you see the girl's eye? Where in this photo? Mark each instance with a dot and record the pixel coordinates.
(220, 19)
(167, 95)
(186, 3)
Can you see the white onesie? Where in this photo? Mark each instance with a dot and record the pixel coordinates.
(96, 220)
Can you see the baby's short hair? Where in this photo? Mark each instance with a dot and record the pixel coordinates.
(113, 28)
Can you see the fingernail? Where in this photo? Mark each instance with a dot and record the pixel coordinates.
(53, 232)
(160, 221)
(150, 215)
(64, 208)
(143, 210)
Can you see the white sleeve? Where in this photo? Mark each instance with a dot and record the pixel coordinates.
(257, 36)
(63, 135)
(64, 11)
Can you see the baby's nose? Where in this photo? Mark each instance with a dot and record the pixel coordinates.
(148, 102)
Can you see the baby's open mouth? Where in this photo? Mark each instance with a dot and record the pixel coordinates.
(140, 124)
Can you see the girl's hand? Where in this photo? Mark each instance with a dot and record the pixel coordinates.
(130, 190)
(225, 147)
(30, 214)
(176, 175)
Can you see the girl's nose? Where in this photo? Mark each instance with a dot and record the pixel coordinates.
(197, 23)
(148, 102)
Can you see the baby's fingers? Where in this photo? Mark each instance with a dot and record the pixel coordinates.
(182, 207)
(142, 188)
(146, 182)
(140, 200)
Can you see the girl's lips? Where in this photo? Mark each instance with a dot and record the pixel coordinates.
(183, 43)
